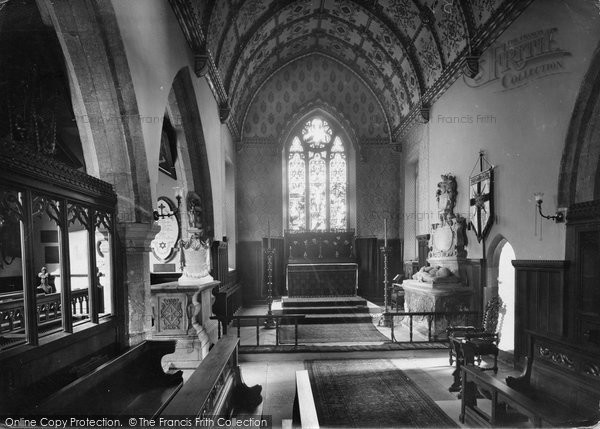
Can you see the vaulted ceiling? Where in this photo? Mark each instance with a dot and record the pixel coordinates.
(401, 53)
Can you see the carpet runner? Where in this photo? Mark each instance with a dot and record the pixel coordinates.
(364, 393)
(332, 333)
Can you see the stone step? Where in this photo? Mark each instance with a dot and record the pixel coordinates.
(324, 310)
(336, 318)
(324, 301)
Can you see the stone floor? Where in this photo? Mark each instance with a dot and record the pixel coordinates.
(428, 368)
(276, 372)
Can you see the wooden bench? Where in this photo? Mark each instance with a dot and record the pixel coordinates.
(132, 383)
(560, 387)
(216, 388)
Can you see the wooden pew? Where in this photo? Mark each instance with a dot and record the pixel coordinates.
(560, 387)
(305, 411)
(216, 387)
(132, 383)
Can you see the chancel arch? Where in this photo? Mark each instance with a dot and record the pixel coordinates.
(579, 178)
(319, 174)
(107, 116)
(193, 168)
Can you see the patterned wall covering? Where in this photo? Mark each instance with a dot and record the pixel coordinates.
(406, 51)
(260, 199)
(259, 192)
(377, 193)
(415, 146)
(313, 80)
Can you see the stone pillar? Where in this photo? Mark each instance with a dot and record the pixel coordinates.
(135, 241)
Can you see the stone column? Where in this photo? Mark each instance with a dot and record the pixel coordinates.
(135, 241)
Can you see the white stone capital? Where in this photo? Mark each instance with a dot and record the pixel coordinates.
(136, 237)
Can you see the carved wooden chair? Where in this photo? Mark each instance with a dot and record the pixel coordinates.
(470, 343)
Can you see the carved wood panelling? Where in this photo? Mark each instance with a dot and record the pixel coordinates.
(540, 300)
(583, 250)
(557, 357)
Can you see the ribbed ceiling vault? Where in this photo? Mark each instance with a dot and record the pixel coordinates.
(405, 52)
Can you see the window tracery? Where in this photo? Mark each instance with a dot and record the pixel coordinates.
(317, 179)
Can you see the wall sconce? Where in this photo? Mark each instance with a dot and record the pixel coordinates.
(558, 217)
(178, 197)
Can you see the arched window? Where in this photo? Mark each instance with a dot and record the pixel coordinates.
(317, 179)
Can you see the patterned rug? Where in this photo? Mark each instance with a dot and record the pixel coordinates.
(332, 333)
(361, 393)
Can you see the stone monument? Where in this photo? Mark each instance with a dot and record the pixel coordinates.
(183, 308)
(195, 251)
(439, 287)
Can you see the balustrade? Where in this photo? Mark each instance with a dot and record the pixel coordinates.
(49, 309)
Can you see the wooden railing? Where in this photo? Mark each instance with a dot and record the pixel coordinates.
(433, 319)
(259, 322)
(451, 318)
(12, 309)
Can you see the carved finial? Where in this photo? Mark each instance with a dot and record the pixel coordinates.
(201, 62)
(224, 111)
(424, 111)
(471, 65)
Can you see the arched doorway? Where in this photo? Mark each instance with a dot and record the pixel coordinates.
(506, 292)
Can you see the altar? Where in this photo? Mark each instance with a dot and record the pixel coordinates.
(321, 264)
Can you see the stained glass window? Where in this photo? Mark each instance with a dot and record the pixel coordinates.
(317, 179)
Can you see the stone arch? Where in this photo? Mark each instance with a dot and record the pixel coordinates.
(193, 167)
(110, 128)
(579, 178)
(104, 101)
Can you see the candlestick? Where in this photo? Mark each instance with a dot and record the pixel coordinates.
(385, 232)
(270, 321)
(387, 319)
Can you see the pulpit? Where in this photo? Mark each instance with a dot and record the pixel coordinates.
(321, 264)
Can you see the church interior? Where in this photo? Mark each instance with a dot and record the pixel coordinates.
(300, 213)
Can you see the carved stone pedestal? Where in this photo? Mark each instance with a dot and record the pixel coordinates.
(431, 297)
(182, 312)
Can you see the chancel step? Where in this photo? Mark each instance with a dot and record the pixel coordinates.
(324, 309)
(324, 301)
(337, 318)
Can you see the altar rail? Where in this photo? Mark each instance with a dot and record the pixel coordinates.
(451, 318)
(259, 323)
(12, 309)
